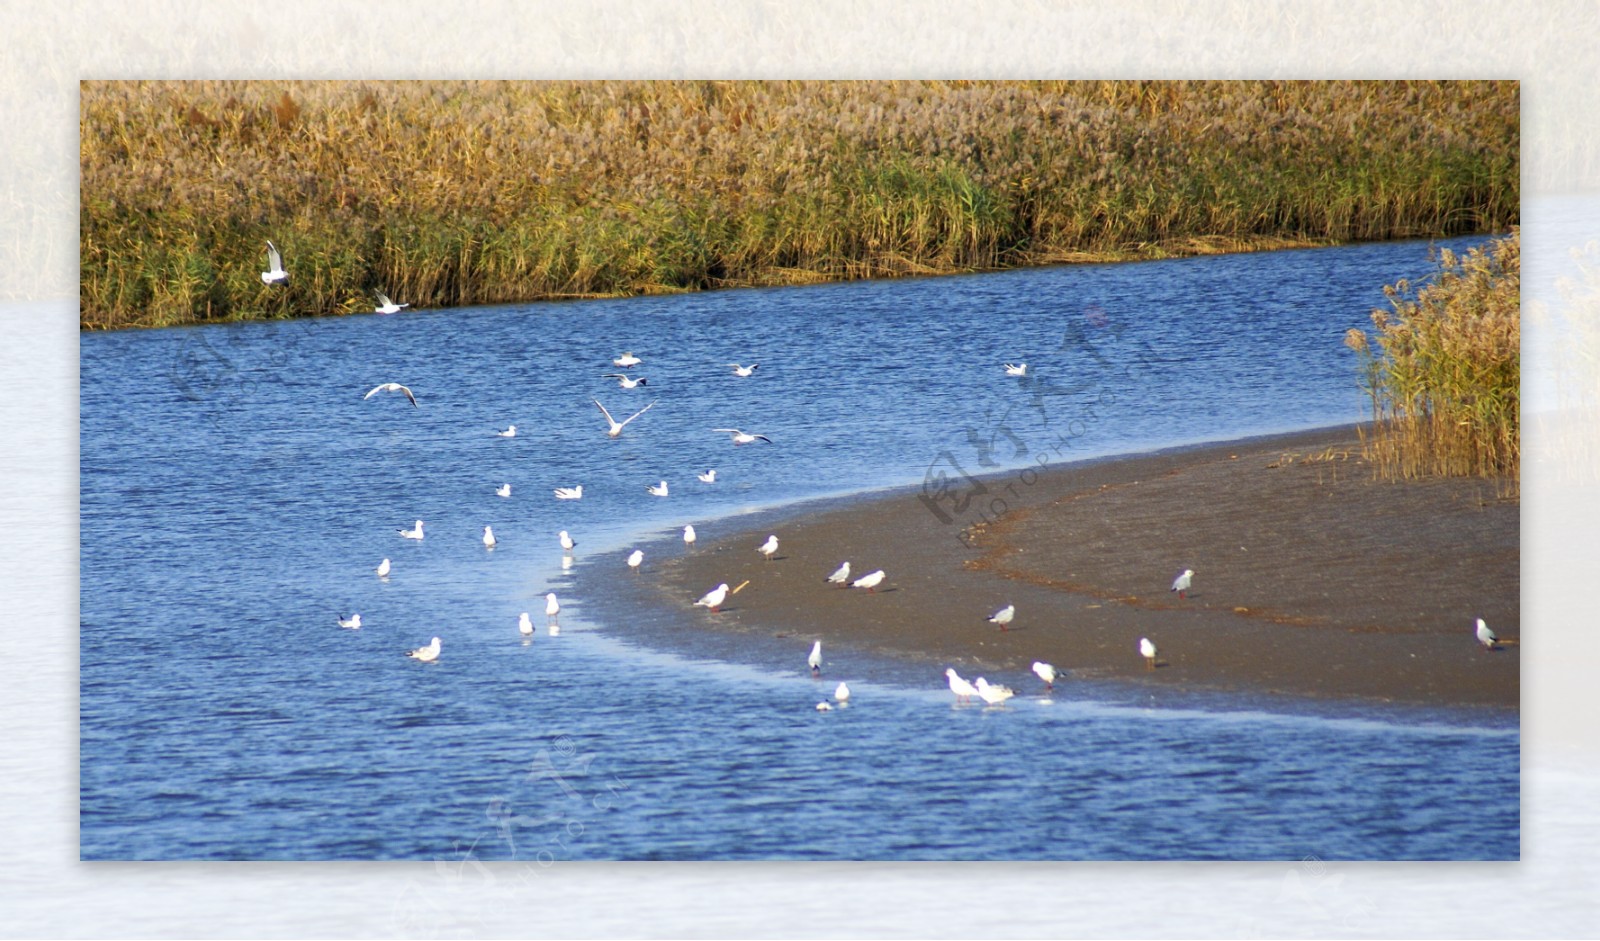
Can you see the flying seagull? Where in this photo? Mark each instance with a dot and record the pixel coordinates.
(616, 426)
(386, 306)
(625, 382)
(274, 273)
(743, 370)
(626, 360)
(391, 387)
(740, 437)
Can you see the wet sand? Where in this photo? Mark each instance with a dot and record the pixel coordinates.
(1310, 578)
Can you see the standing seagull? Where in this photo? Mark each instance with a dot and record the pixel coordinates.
(840, 575)
(1148, 651)
(634, 559)
(383, 569)
(274, 273)
(869, 581)
(616, 426)
(1045, 672)
(412, 533)
(842, 694)
(1003, 616)
(1018, 369)
(525, 625)
(504, 490)
(626, 360)
(625, 382)
(566, 541)
(709, 477)
(353, 622)
(391, 387)
(386, 306)
(714, 598)
(688, 535)
(743, 370)
(740, 437)
(993, 695)
(488, 538)
(815, 660)
(1181, 583)
(552, 607)
(659, 490)
(963, 690)
(768, 548)
(426, 654)
(1486, 637)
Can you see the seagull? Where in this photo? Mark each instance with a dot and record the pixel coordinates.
(488, 538)
(740, 437)
(659, 490)
(383, 569)
(504, 490)
(635, 558)
(840, 575)
(688, 535)
(815, 660)
(1181, 583)
(993, 695)
(625, 382)
(353, 622)
(709, 477)
(1018, 369)
(412, 533)
(1486, 637)
(525, 625)
(743, 370)
(616, 426)
(842, 694)
(959, 686)
(510, 432)
(386, 306)
(869, 581)
(1148, 651)
(824, 707)
(569, 493)
(426, 654)
(626, 360)
(1046, 672)
(1003, 616)
(274, 273)
(714, 598)
(552, 607)
(566, 541)
(391, 387)
(769, 547)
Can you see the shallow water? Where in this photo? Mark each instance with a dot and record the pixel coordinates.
(236, 492)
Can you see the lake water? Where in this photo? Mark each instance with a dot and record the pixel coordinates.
(237, 492)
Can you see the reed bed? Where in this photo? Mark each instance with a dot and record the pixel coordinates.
(1444, 370)
(449, 193)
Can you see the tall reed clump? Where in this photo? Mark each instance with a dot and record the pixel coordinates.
(445, 193)
(1443, 369)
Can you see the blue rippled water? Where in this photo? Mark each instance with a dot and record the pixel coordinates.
(237, 491)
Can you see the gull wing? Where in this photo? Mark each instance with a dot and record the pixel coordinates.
(603, 411)
(274, 260)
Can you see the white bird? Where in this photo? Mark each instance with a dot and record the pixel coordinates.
(688, 535)
(353, 622)
(869, 581)
(504, 490)
(616, 426)
(412, 533)
(391, 387)
(993, 695)
(659, 490)
(740, 437)
(1003, 616)
(824, 707)
(709, 477)
(815, 660)
(552, 607)
(488, 538)
(626, 360)
(840, 575)
(1045, 672)
(1018, 369)
(1148, 651)
(625, 382)
(566, 541)
(386, 306)
(510, 432)
(1487, 637)
(274, 273)
(383, 569)
(525, 625)
(842, 694)
(959, 686)
(635, 558)
(1181, 583)
(743, 370)
(714, 598)
(569, 493)
(769, 547)
(426, 654)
